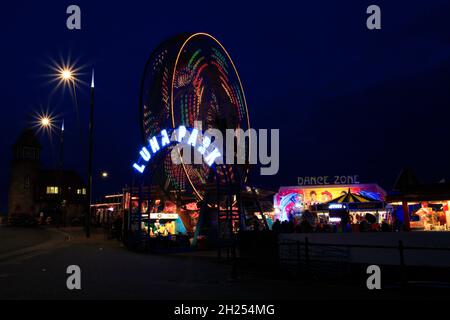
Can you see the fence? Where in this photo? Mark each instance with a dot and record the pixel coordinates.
(320, 258)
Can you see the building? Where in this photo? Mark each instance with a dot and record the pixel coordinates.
(38, 192)
(106, 210)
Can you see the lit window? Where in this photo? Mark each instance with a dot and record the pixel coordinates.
(52, 190)
(84, 191)
(78, 191)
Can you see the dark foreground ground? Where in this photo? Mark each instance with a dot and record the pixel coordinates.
(33, 265)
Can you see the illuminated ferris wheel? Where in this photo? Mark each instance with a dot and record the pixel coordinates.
(191, 80)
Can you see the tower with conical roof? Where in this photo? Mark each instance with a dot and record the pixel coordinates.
(25, 167)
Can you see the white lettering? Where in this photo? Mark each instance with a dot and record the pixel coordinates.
(165, 141)
(145, 154)
(154, 144)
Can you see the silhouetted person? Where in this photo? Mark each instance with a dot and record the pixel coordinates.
(385, 227)
(255, 224)
(305, 226)
(285, 227)
(345, 222)
(363, 225)
(276, 227)
(291, 226)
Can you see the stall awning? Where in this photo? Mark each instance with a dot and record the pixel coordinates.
(357, 202)
(350, 198)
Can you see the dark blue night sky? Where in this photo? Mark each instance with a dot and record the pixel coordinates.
(347, 100)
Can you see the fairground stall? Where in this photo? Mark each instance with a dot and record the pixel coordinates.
(422, 207)
(325, 202)
(105, 211)
(175, 215)
(356, 211)
(160, 215)
(418, 206)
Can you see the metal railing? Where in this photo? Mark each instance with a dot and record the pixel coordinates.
(304, 261)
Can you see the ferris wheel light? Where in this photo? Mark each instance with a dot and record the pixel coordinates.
(192, 66)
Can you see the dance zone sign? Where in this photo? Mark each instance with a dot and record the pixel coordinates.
(327, 180)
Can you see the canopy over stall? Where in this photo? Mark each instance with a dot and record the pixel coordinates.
(357, 202)
(353, 202)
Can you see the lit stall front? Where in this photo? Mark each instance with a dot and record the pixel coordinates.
(160, 224)
(355, 208)
(160, 217)
(292, 202)
(106, 211)
(154, 214)
(422, 207)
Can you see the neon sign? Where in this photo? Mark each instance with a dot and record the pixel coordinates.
(182, 135)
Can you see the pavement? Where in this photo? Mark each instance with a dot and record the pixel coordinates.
(13, 239)
(34, 267)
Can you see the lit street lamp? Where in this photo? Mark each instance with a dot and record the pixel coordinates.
(66, 75)
(45, 122)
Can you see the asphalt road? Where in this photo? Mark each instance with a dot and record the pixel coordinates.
(109, 271)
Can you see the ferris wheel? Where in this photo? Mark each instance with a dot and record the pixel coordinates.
(191, 80)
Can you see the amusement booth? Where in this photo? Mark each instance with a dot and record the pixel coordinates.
(329, 204)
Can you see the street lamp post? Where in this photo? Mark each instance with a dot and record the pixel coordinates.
(61, 151)
(61, 174)
(67, 75)
(91, 149)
